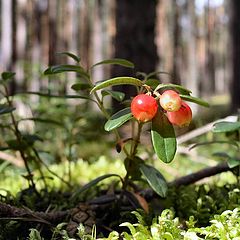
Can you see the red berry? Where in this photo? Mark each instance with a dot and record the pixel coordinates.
(182, 117)
(170, 101)
(144, 107)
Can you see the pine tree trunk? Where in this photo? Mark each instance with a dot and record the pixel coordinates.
(6, 34)
(235, 34)
(192, 76)
(176, 38)
(134, 41)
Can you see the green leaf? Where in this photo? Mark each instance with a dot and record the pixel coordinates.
(176, 87)
(152, 74)
(16, 145)
(129, 226)
(6, 109)
(233, 162)
(226, 127)
(194, 100)
(43, 120)
(223, 155)
(152, 82)
(35, 235)
(118, 119)
(31, 138)
(57, 96)
(7, 75)
(116, 61)
(71, 55)
(117, 81)
(119, 96)
(67, 68)
(80, 86)
(94, 182)
(168, 236)
(163, 138)
(155, 179)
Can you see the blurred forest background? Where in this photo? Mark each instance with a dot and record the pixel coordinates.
(196, 41)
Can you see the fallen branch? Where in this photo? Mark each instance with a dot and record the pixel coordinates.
(74, 216)
(191, 178)
(202, 130)
(11, 212)
(206, 172)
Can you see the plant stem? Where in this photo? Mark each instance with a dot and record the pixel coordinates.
(52, 172)
(19, 139)
(133, 152)
(100, 105)
(136, 140)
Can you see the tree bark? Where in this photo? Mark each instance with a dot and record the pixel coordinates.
(176, 38)
(6, 35)
(134, 40)
(206, 172)
(192, 81)
(235, 40)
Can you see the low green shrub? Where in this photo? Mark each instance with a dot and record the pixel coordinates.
(224, 226)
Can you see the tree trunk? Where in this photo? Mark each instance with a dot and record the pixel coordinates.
(6, 34)
(235, 40)
(192, 76)
(176, 38)
(208, 83)
(52, 32)
(134, 40)
(13, 86)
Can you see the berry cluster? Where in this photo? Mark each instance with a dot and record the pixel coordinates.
(144, 108)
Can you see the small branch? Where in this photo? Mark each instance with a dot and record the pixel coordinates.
(191, 178)
(206, 172)
(10, 212)
(202, 130)
(13, 160)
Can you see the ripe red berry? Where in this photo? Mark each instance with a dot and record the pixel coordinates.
(182, 117)
(144, 107)
(170, 101)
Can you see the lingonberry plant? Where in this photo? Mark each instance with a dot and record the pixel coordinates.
(159, 105)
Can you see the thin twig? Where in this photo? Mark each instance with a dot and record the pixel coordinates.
(206, 172)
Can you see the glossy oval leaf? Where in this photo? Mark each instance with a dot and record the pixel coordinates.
(226, 127)
(178, 88)
(117, 81)
(195, 100)
(57, 96)
(233, 162)
(118, 119)
(155, 179)
(94, 182)
(80, 86)
(66, 68)
(7, 75)
(163, 138)
(4, 109)
(116, 61)
(152, 82)
(119, 96)
(71, 55)
(43, 120)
